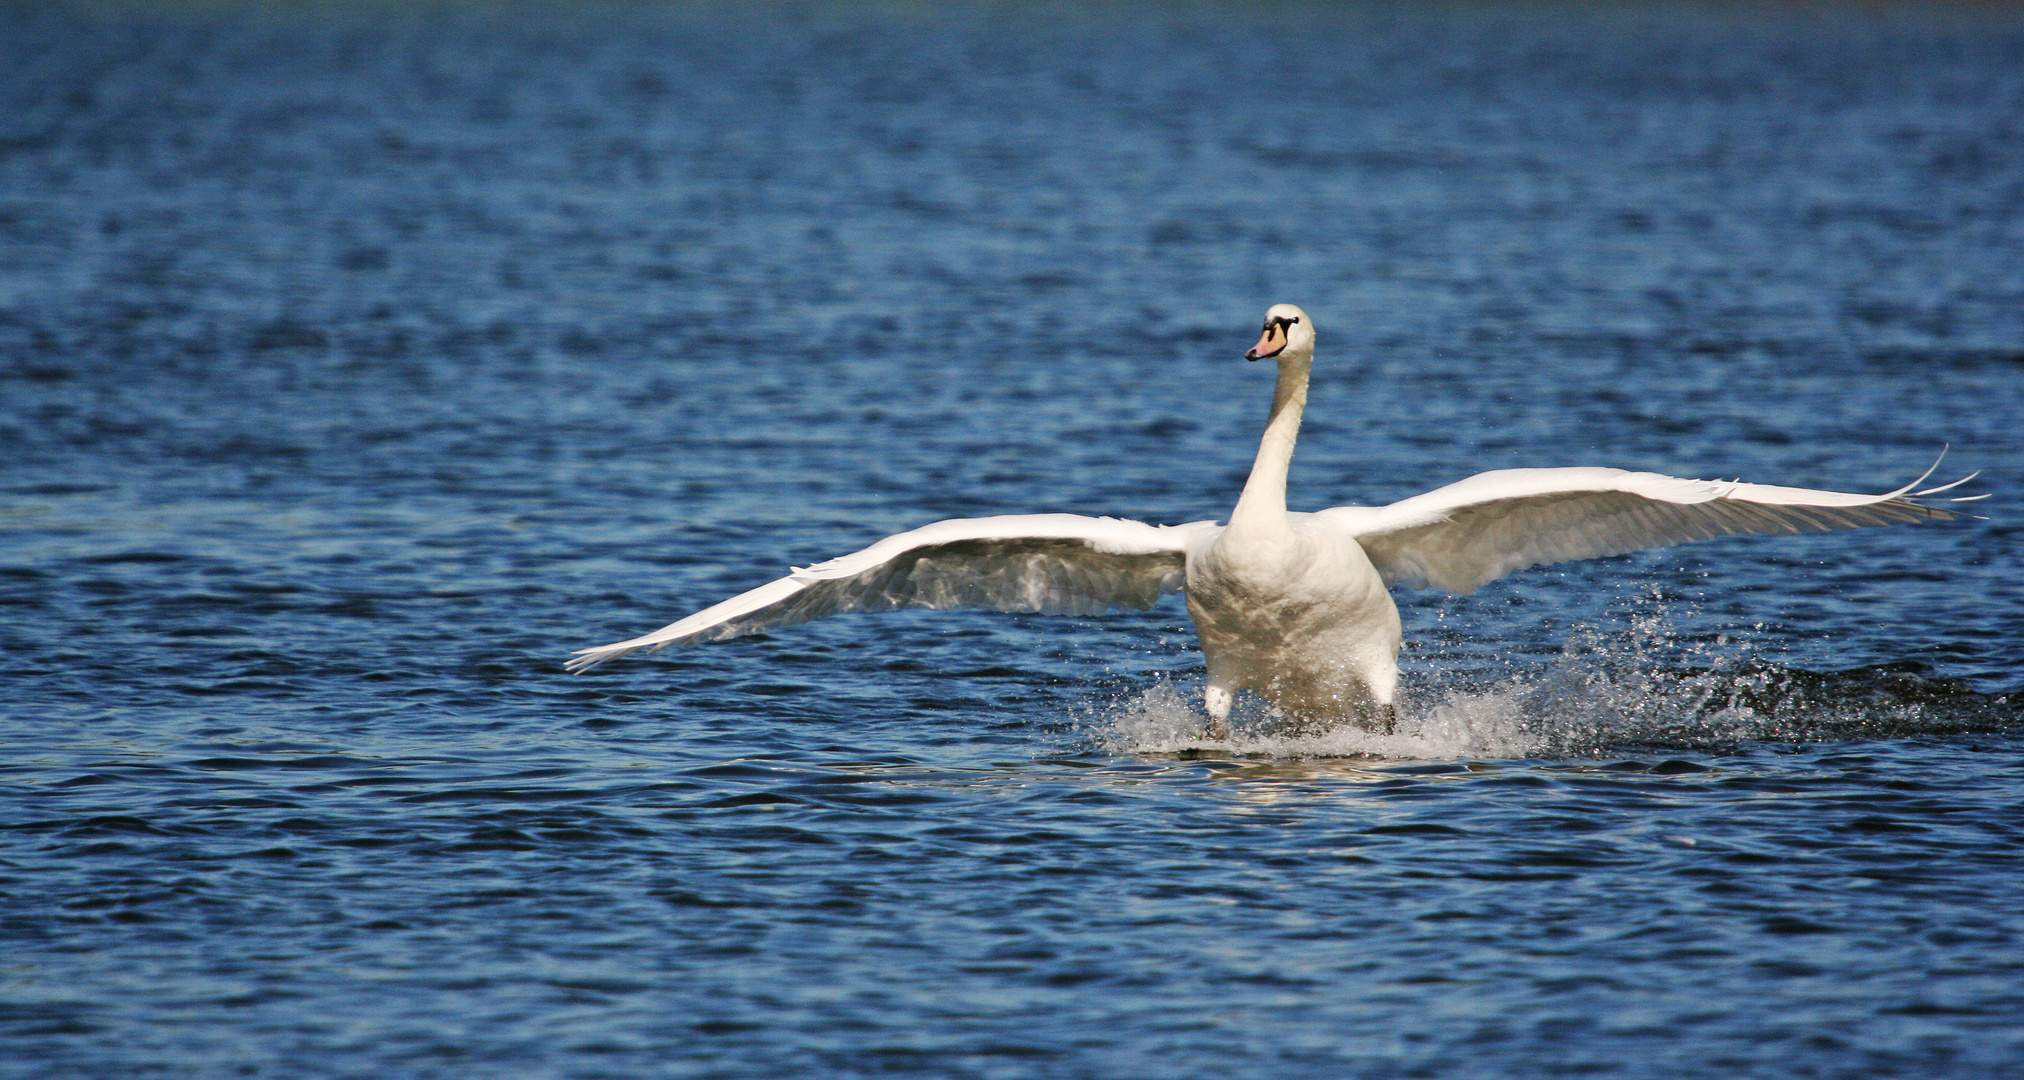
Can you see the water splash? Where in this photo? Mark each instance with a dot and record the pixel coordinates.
(1641, 687)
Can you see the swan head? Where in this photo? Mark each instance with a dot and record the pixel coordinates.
(1288, 332)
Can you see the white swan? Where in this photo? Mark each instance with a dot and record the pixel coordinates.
(1292, 606)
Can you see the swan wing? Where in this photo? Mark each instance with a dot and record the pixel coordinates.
(1061, 564)
(1467, 534)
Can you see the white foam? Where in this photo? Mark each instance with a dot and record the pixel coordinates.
(1640, 685)
(1164, 720)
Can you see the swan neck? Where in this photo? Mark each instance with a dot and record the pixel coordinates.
(1264, 500)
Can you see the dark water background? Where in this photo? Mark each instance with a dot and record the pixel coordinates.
(356, 363)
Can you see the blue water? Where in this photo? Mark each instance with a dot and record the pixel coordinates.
(358, 362)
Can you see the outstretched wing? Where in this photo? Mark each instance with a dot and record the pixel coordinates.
(1062, 564)
(1473, 532)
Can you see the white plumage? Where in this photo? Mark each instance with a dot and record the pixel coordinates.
(1470, 533)
(1292, 606)
(1053, 564)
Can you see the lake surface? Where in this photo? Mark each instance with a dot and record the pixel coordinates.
(358, 363)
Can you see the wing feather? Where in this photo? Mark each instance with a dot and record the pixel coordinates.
(1061, 564)
(1469, 533)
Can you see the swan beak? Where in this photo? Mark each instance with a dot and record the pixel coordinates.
(1270, 344)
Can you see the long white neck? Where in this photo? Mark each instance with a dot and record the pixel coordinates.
(1263, 504)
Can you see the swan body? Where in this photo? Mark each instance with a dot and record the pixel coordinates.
(1295, 607)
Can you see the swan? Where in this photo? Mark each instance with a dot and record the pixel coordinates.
(1295, 607)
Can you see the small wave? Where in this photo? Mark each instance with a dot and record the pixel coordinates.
(1600, 695)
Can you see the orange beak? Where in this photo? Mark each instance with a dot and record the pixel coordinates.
(1270, 344)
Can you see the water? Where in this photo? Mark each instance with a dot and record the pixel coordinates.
(360, 362)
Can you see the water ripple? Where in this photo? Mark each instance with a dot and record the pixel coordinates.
(360, 363)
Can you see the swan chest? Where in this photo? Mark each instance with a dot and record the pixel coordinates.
(1298, 584)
